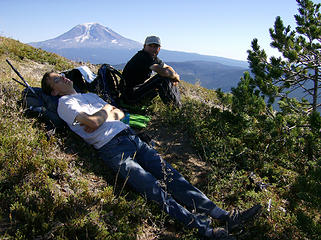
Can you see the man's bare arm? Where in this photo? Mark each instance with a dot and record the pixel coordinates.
(94, 121)
(166, 71)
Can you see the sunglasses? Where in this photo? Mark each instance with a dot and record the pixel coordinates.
(58, 78)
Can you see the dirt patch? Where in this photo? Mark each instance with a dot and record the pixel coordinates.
(176, 148)
(174, 145)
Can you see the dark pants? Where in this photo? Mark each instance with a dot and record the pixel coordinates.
(155, 85)
(156, 179)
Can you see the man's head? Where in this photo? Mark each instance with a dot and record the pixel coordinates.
(55, 84)
(153, 40)
(152, 45)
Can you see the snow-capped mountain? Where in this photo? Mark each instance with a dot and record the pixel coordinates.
(89, 35)
(92, 42)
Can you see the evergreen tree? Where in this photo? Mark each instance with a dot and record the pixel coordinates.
(299, 67)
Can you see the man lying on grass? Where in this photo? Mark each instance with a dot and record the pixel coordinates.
(98, 123)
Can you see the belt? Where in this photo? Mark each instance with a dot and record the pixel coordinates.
(124, 132)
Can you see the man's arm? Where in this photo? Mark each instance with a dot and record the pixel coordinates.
(94, 121)
(166, 71)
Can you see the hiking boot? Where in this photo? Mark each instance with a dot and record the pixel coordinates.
(236, 219)
(221, 234)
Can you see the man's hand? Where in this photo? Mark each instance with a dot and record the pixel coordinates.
(115, 114)
(166, 71)
(87, 128)
(176, 79)
(91, 122)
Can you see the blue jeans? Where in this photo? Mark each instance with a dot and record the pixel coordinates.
(156, 179)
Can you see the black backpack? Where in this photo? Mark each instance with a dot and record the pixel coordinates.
(80, 84)
(40, 105)
(109, 84)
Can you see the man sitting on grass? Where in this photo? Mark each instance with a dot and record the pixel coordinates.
(141, 85)
(98, 123)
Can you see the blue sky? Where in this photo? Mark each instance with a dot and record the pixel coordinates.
(222, 28)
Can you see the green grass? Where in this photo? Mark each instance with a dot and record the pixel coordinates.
(235, 147)
(56, 187)
(14, 50)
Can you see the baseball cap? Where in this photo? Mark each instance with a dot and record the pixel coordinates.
(152, 40)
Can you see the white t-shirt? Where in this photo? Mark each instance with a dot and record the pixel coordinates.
(70, 106)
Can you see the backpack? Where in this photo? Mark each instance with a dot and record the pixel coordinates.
(109, 84)
(40, 105)
(80, 84)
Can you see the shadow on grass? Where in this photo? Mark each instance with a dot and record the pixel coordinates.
(305, 202)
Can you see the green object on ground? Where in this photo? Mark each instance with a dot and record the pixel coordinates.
(136, 120)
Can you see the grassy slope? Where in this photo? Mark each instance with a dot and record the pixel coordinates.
(48, 187)
(57, 188)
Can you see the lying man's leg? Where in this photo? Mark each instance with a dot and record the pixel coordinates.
(119, 154)
(188, 195)
(173, 181)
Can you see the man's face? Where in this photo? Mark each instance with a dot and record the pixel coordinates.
(59, 84)
(153, 49)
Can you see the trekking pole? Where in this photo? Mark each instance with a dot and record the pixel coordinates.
(19, 82)
(26, 83)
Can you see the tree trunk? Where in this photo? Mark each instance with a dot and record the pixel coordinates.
(315, 89)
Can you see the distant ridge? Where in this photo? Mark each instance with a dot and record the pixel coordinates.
(99, 44)
(208, 74)
(95, 43)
